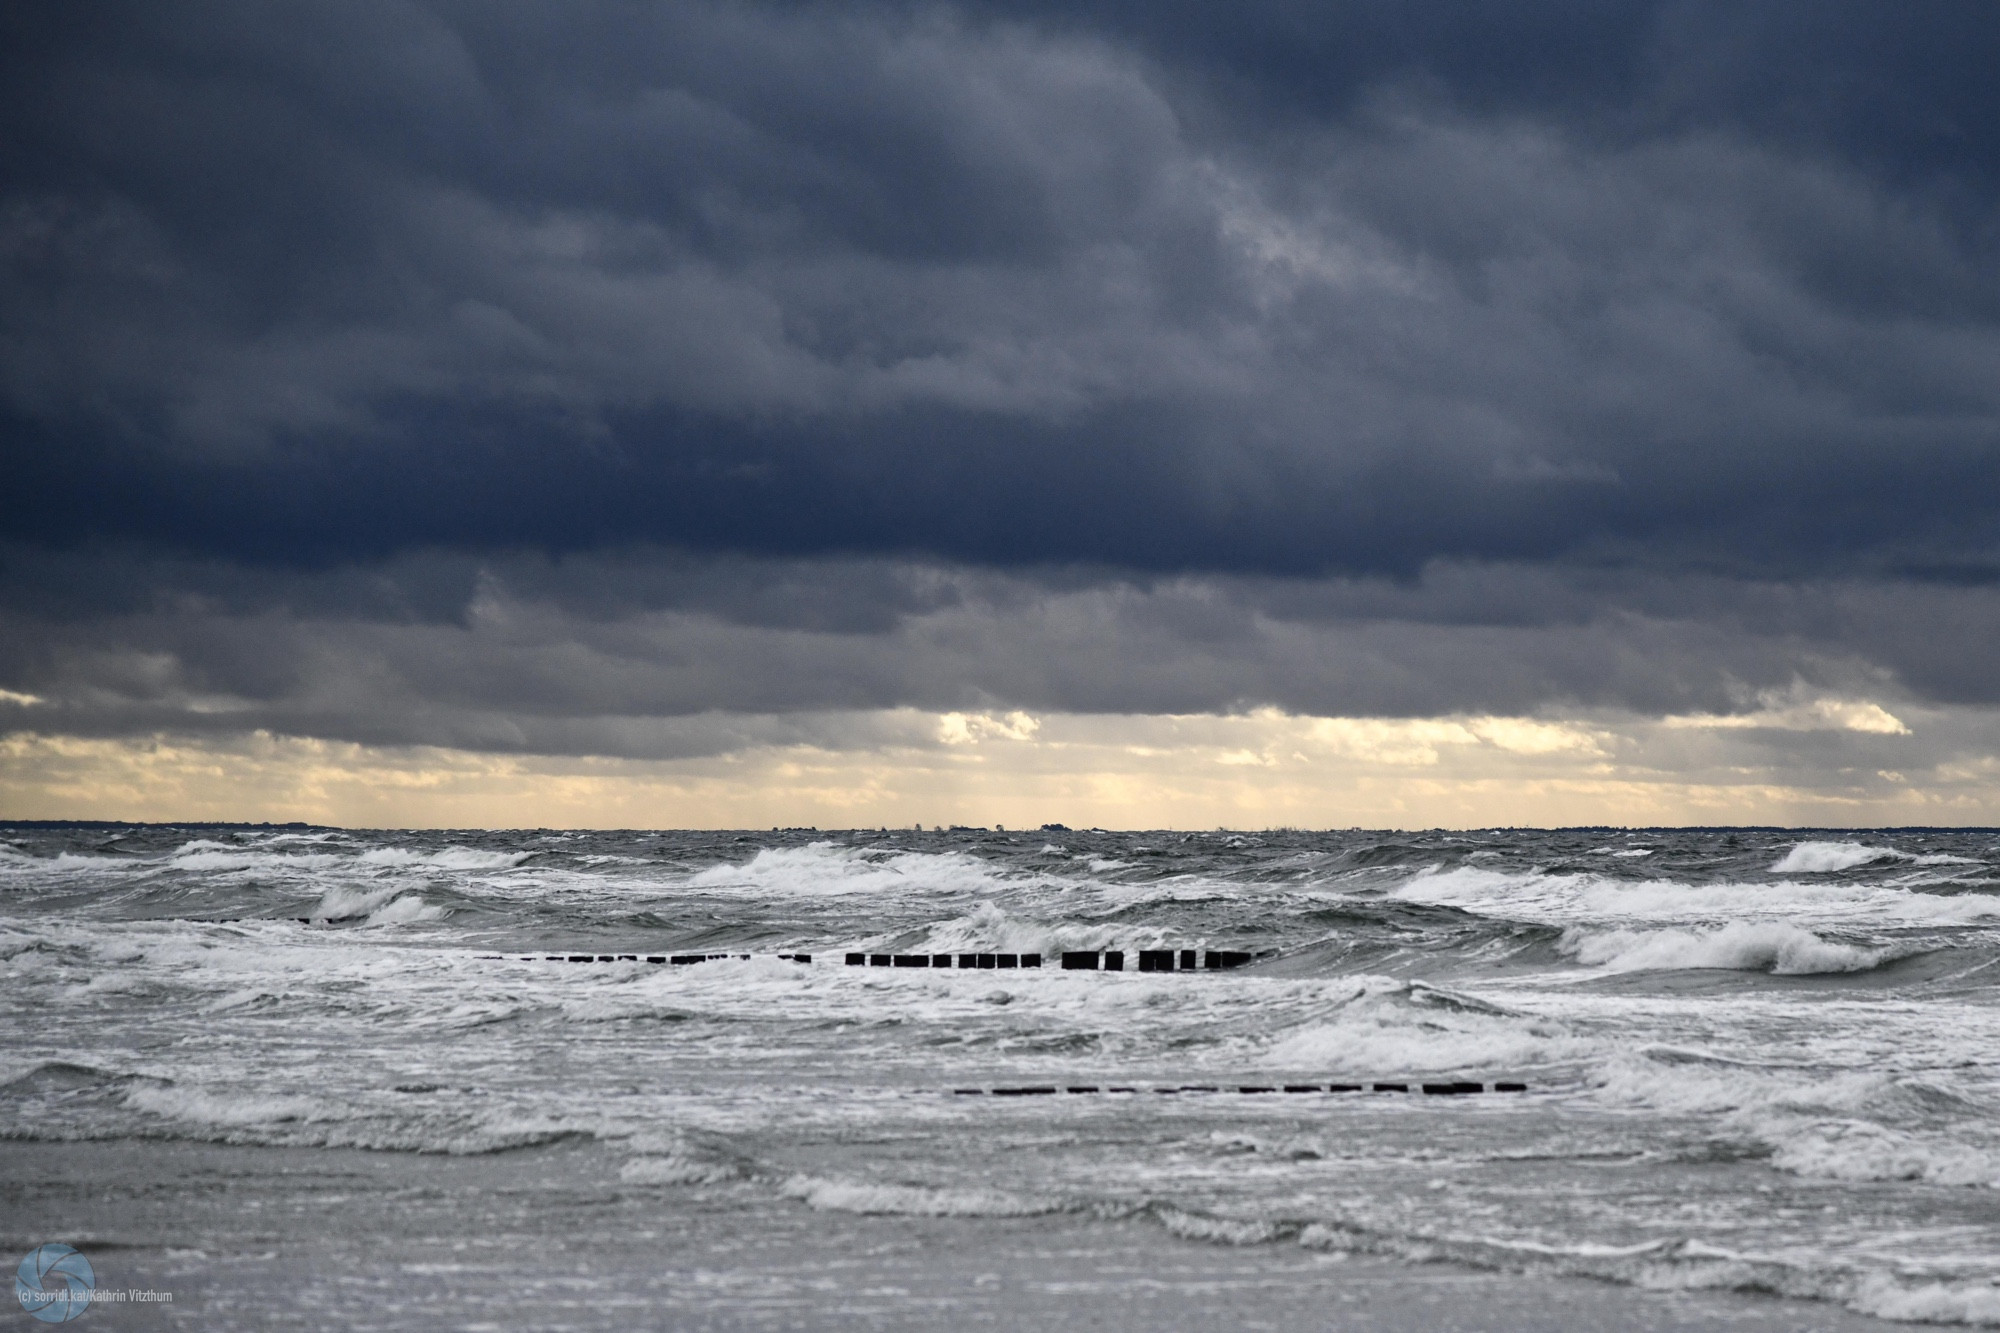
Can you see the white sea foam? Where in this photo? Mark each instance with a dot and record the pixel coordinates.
(1692, 1083)
(1386, 1028)
(244, 998)
(675, 1169)
(1568, 900)
(1849, 1127)
(239, 859)
(1687, 1265)
(1765, 946)
(203, 854)
(225, 1111)
(1927, 1302)
(825, 869)
(451, 858)
(1691, 1265)
(991, 928)
(1860, 1151)
(404, 911)
(82, 861)
(344, 902)
(1818, 858)
(846, 1196)
(236, 1117)
(1221, 1230)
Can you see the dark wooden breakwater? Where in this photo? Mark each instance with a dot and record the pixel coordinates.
(1455, 1088)
(1074, 960)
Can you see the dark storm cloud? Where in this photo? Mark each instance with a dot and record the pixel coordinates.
(1263, 288)
(1906, 92)
(510, 375)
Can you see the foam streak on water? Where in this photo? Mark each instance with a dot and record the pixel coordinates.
(1761, 1060)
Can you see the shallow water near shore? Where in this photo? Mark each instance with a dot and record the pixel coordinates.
(1761, 1062)
(551, 1238)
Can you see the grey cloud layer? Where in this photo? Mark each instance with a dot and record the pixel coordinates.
(532, 656)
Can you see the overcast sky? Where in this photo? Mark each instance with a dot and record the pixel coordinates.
(1136, 414)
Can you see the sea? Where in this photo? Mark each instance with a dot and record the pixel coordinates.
(1749, 1060)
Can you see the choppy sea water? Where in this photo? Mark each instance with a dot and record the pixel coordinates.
(1757, 1059)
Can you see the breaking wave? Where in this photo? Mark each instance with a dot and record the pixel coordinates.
(1819, 858)
(847, 1196)
(1741, 946)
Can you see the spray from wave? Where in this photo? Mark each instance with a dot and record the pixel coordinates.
(1741, 946)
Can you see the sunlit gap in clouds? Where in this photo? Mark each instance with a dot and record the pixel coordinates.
(898, 767)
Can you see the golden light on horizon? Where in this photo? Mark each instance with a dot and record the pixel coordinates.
(901, 767)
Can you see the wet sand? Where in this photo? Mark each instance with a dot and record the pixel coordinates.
(263, 1238)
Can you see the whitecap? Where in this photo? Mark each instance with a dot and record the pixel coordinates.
(1928, 1302)
(344, 902)
(1820, 858)
(451, 858)
(231, 1111)
(237, 859)
(1739, 946)
(1856, 1150)
(1387, 1026)
(404, 911)
(81, 861)
(1221, 1230)
(1565, 899)
(675, 1169)
(846, 1196)
(990, 928)
(826, 868)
